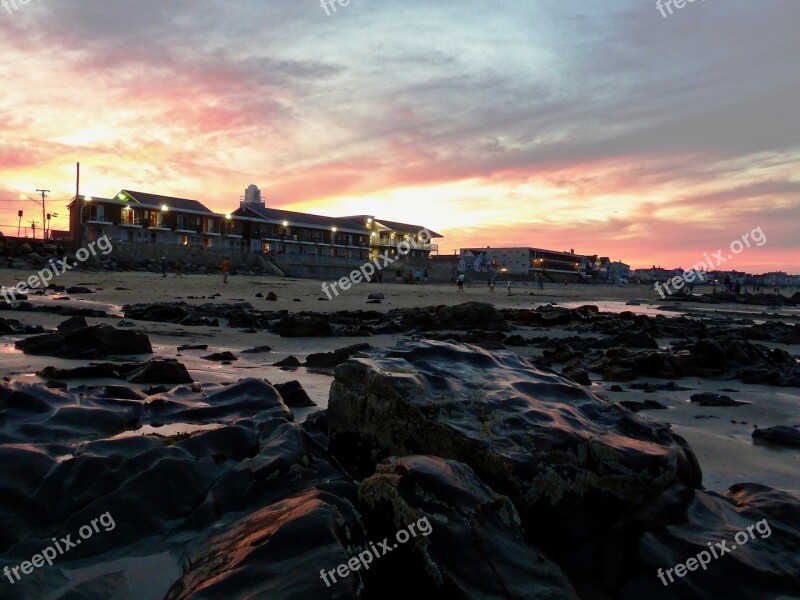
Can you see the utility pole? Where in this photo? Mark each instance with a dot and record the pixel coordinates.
(43, 192)
(19, 223)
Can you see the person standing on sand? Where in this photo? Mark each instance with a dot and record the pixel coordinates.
(418, 275)
(163, 267)
(491, 284)
(179, 269)
(226, 269)
(460, 283)
(508, 287)
(425, 276)
(399, 276)
(410, 277)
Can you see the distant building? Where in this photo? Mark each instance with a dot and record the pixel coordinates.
(140, 218)
(618, 272)
(551, 264)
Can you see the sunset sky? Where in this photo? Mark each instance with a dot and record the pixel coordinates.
(595, 125)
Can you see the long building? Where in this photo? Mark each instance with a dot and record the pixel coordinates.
(525, 261)
(292, 240)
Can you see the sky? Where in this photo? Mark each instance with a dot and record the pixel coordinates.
(603, 127)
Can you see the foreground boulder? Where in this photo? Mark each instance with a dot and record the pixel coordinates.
(571, 462)
(760, 529)
(87, 342)
(454, 518)
(277, 552)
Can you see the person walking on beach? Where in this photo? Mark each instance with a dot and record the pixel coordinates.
(226, 269)
(425, 276)
(491, 284)
(399, 276)
(460, 283)
(508, 287)
(163, 267)
(179, 269)
(410, 277)
(418, 275)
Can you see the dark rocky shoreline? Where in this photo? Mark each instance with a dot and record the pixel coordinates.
(535, 486)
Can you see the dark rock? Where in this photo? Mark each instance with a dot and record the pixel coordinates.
(634, 339)
(291, 326)
(162, 370)
(781, 435)
(453, 517)
(547, 443)
(257, 350)
(635, 406)
(79, 290)
(711, 399)
(193, 347)
(122, 393)
(156, 389)
(621, 374)
(327, 360)
(289, 361)
(272, 297)
(471, 315)
(764, 566)
(293, 394)
(577, 375)
(248, 558)
(88, 342)
(376, 296)
(221, 356)
(72, 323)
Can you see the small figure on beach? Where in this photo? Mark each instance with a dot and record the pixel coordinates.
(491, 284)
(737, 288)
(425, 276)
(418, 275)
(399, 276)
(460, 282)
(226, 269)
(163, 267)
(179, 269)
(410, 277)
(541, 281)
(508, 287)
(379, 275)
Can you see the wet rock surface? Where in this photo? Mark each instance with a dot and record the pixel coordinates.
(457, 518)
(87, 342)
(781, 435)
(545, 442)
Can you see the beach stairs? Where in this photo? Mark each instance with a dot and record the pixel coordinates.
(267, 266)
